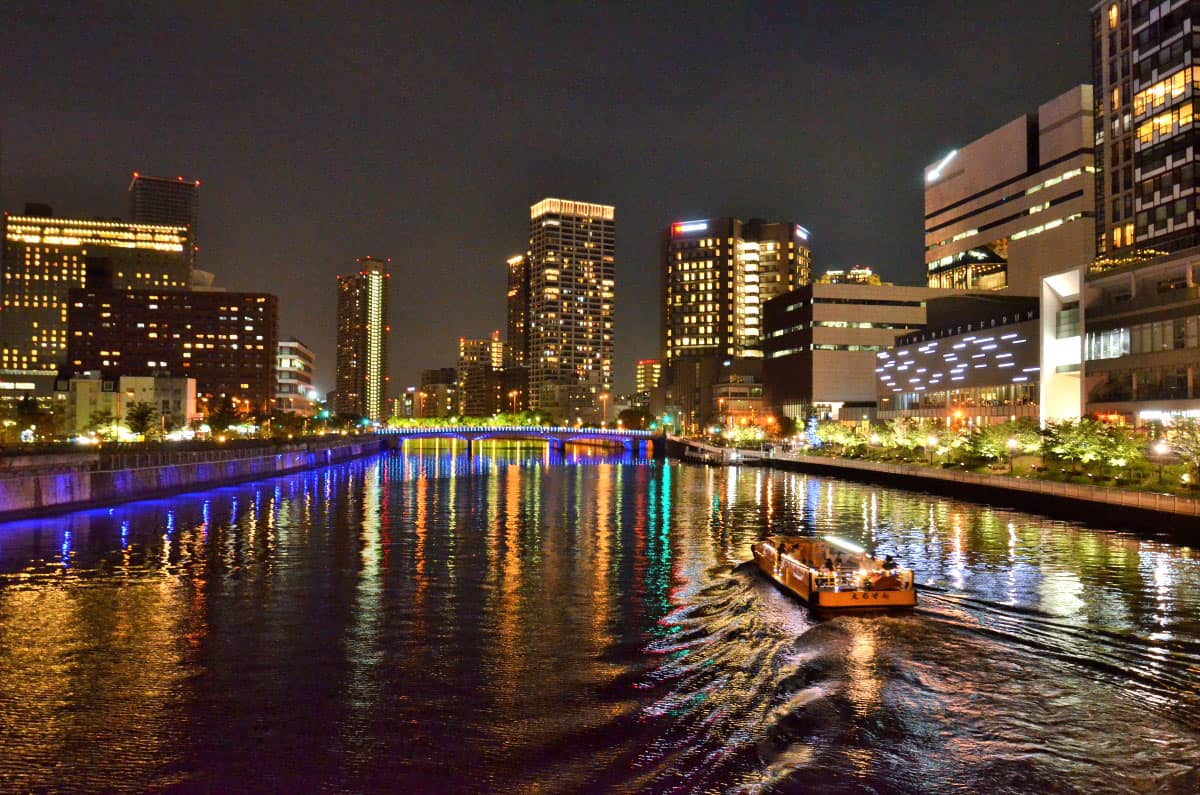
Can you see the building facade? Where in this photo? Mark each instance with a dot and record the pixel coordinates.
(89, 398)
(821, 344)
(572, 256)
(362, 337)
(227, 342)
(648, 376)
(45, 257)
(517, 346)
(163, 201)
(1142, 64)
(982, 369)
(479, 365)
(1140, 329)
(438, 393)
(716, 275)
(1016, 204)
(294, 366)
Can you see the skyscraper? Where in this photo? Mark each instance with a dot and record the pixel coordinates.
(44, 257)
(716, 274)
(362, 340)
(517, 349)
(1146, 142)
(571, 278)
(164, 201)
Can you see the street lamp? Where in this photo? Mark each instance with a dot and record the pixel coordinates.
(1012, 447)
(1161, 449)
(931, 444)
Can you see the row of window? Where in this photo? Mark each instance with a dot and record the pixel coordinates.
(1163, 335)
(1147, 383)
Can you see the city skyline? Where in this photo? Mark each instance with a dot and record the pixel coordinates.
(284, 190)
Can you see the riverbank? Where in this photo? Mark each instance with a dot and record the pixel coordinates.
(44, 484)
(1105, 506)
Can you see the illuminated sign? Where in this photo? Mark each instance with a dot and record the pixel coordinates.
(936, 173)
(801, 232)
(687, 227)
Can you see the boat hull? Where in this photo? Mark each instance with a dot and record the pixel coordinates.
(799, 579)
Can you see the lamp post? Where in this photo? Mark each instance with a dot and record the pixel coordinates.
(604, 396)
(1161, 449)
(1012, 447)
(931, 443)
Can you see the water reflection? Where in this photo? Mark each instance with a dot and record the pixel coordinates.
(582, 621)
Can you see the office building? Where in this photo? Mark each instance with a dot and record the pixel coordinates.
(572, 249)
(1142, 64)
(438, 393)
(362, 336)
(165, 201)
(227, 342)
(1124, 343)
(294, 364)
(977, 362)
(45, 257)
(821, 342)
(89, 397)
(716, 275)
(479, 365)
(517, 348)
(648, 376)
(1018, 203)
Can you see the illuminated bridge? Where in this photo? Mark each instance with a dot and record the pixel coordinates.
(556, 437)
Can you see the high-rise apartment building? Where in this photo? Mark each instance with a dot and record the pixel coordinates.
(362, 328)
(164, 201)
(716, 275)
(1146, 142)
(45, 257)
(517, 350)
(1010, 207)
(226, 341)
(572, 248)
(294, 366)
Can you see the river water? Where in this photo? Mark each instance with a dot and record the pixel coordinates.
(422, 622)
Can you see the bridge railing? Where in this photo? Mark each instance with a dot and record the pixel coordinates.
(525, 430)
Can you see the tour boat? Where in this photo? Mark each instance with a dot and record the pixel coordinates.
(832, 573)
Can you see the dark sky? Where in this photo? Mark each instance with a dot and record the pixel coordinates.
(423, 133)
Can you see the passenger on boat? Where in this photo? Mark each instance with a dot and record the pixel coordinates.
(828, 564)
(889, 564)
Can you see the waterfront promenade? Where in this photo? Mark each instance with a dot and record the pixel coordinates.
(1143, 508)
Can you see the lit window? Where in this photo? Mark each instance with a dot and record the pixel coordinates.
(1113, 16)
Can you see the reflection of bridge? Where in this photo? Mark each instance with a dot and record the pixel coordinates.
(556, 437)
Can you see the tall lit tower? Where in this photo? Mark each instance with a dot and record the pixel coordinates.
(517, 348)
(165, 201)
(362, 339)
(571, 277)
(1143, 57)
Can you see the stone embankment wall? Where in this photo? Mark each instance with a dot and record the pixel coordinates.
(38, 484)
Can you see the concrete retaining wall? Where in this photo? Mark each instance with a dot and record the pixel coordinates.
(71, 484)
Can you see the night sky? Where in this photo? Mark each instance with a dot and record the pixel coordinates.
(423, 133)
